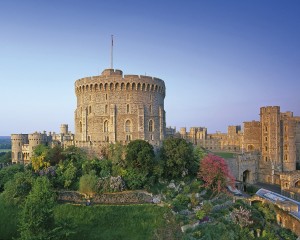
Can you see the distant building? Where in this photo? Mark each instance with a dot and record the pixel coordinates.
(266, 151)
(22, 145)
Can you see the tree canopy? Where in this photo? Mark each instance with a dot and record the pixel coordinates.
(178, 158)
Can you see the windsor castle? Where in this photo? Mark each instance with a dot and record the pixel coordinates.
(113, 107)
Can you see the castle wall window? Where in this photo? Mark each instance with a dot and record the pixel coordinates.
(105, 126)
(19, 156)
(266, 139)
(127, 108)
(106, 96)
(80, 127)
(266, 148)
(285, 157)
(150, 108)
(106, 109)
(90, 109)
(106, 139)
(266, 159)
(128, 137)
(128, 126)
(150, 127)
(266, 128)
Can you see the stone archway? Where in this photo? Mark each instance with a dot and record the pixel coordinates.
(246, 178)
(250, 148)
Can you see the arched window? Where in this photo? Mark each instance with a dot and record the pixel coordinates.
(150, 127)
(285, 157)
(19, 156)
(127, 108)
(105, 126)
(128, 126)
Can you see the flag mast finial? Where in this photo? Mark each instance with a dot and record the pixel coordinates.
(111, 52)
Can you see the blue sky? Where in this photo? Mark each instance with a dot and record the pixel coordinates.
(221, 60)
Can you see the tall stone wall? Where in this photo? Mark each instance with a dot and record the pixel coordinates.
(252, 136)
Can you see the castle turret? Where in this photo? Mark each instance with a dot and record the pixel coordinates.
(17, 142)
(64, 129)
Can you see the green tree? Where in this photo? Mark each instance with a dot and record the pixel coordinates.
(8, 173)
(5, 157)
(66, 174)
(17, 189)
(178, 158)
(140, 162)
(116, 154)
(140, 156)
(37, 219)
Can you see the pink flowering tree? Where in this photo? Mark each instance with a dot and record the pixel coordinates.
(215, 174)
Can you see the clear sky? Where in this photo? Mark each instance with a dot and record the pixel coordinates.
(221, 60)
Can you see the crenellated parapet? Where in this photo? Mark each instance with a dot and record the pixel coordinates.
(113, 80)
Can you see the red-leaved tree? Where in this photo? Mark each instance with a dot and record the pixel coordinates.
(215, 174)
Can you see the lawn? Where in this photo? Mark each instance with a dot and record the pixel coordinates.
(114, 222)
(102, 221)
(224, 154)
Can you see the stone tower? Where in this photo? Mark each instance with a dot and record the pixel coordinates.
(270, 140)
(17, 142)
(288, 128)
(115, 108)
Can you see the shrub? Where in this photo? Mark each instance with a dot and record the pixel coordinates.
(88, 183)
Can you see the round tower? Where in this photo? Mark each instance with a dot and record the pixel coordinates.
(17, 142)
(36, 139)
(64, 129)
(116, 108)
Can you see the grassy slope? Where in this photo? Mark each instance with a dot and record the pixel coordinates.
(101, 222)
(113, 222)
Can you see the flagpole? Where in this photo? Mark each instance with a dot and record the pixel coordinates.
(111, 52)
